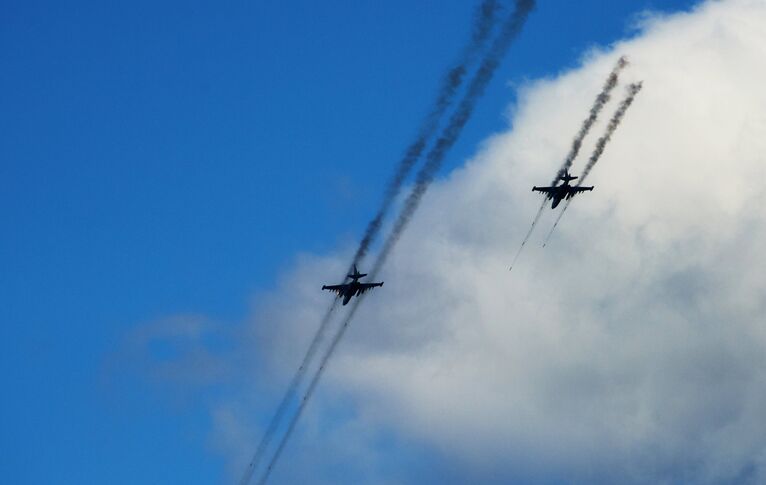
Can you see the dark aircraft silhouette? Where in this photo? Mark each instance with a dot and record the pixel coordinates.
(354, 287)
(557, 193)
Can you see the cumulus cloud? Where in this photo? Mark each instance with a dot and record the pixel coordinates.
(631, 349)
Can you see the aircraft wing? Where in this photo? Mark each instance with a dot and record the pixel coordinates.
(576, 190)
(335, 288)
(366, 286)
(546, 190)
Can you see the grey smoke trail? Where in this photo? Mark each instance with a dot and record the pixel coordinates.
(508, 33)
(529, 233)
(483, 25)
(561, 214)
(632, 90)
(601, 99)
(288, 396)
(312, 386)
(457, 121)
(598, 104)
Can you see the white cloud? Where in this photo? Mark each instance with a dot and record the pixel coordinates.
(632, 348)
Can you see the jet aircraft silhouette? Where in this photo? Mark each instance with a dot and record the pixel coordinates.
(354, 287)
(557, 193)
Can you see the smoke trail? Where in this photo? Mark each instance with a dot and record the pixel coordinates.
(484, 21)
(598, 104)
(483, 24)
(561, 214)
(457, 121)
(312, 387)
(288, 396)
(632, 90)
(508, 33)
(601, 99)
(529, 233)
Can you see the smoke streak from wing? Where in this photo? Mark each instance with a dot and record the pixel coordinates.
(483, 25)
(561, 214)
(633, 90)
(312, 387)
(457, 121)
(529, 233)
(619, 113)
(601, 99)
(288, 396)
(449, 134)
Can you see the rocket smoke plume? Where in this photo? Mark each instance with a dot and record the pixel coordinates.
(457, 121)
(484, 22)
(599, 103)
(633, 90)
(311, 388)
(561, 214)
(508, 33)
(288, 397)
(529, 233)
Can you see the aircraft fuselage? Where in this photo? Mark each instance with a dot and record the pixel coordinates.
(561, 192)
(351, 290)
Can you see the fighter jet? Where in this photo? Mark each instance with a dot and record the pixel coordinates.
(558, 193)
(354, 287)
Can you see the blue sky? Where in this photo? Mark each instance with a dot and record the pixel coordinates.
(171, 157)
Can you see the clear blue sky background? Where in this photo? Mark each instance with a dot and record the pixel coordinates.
(170, 157)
